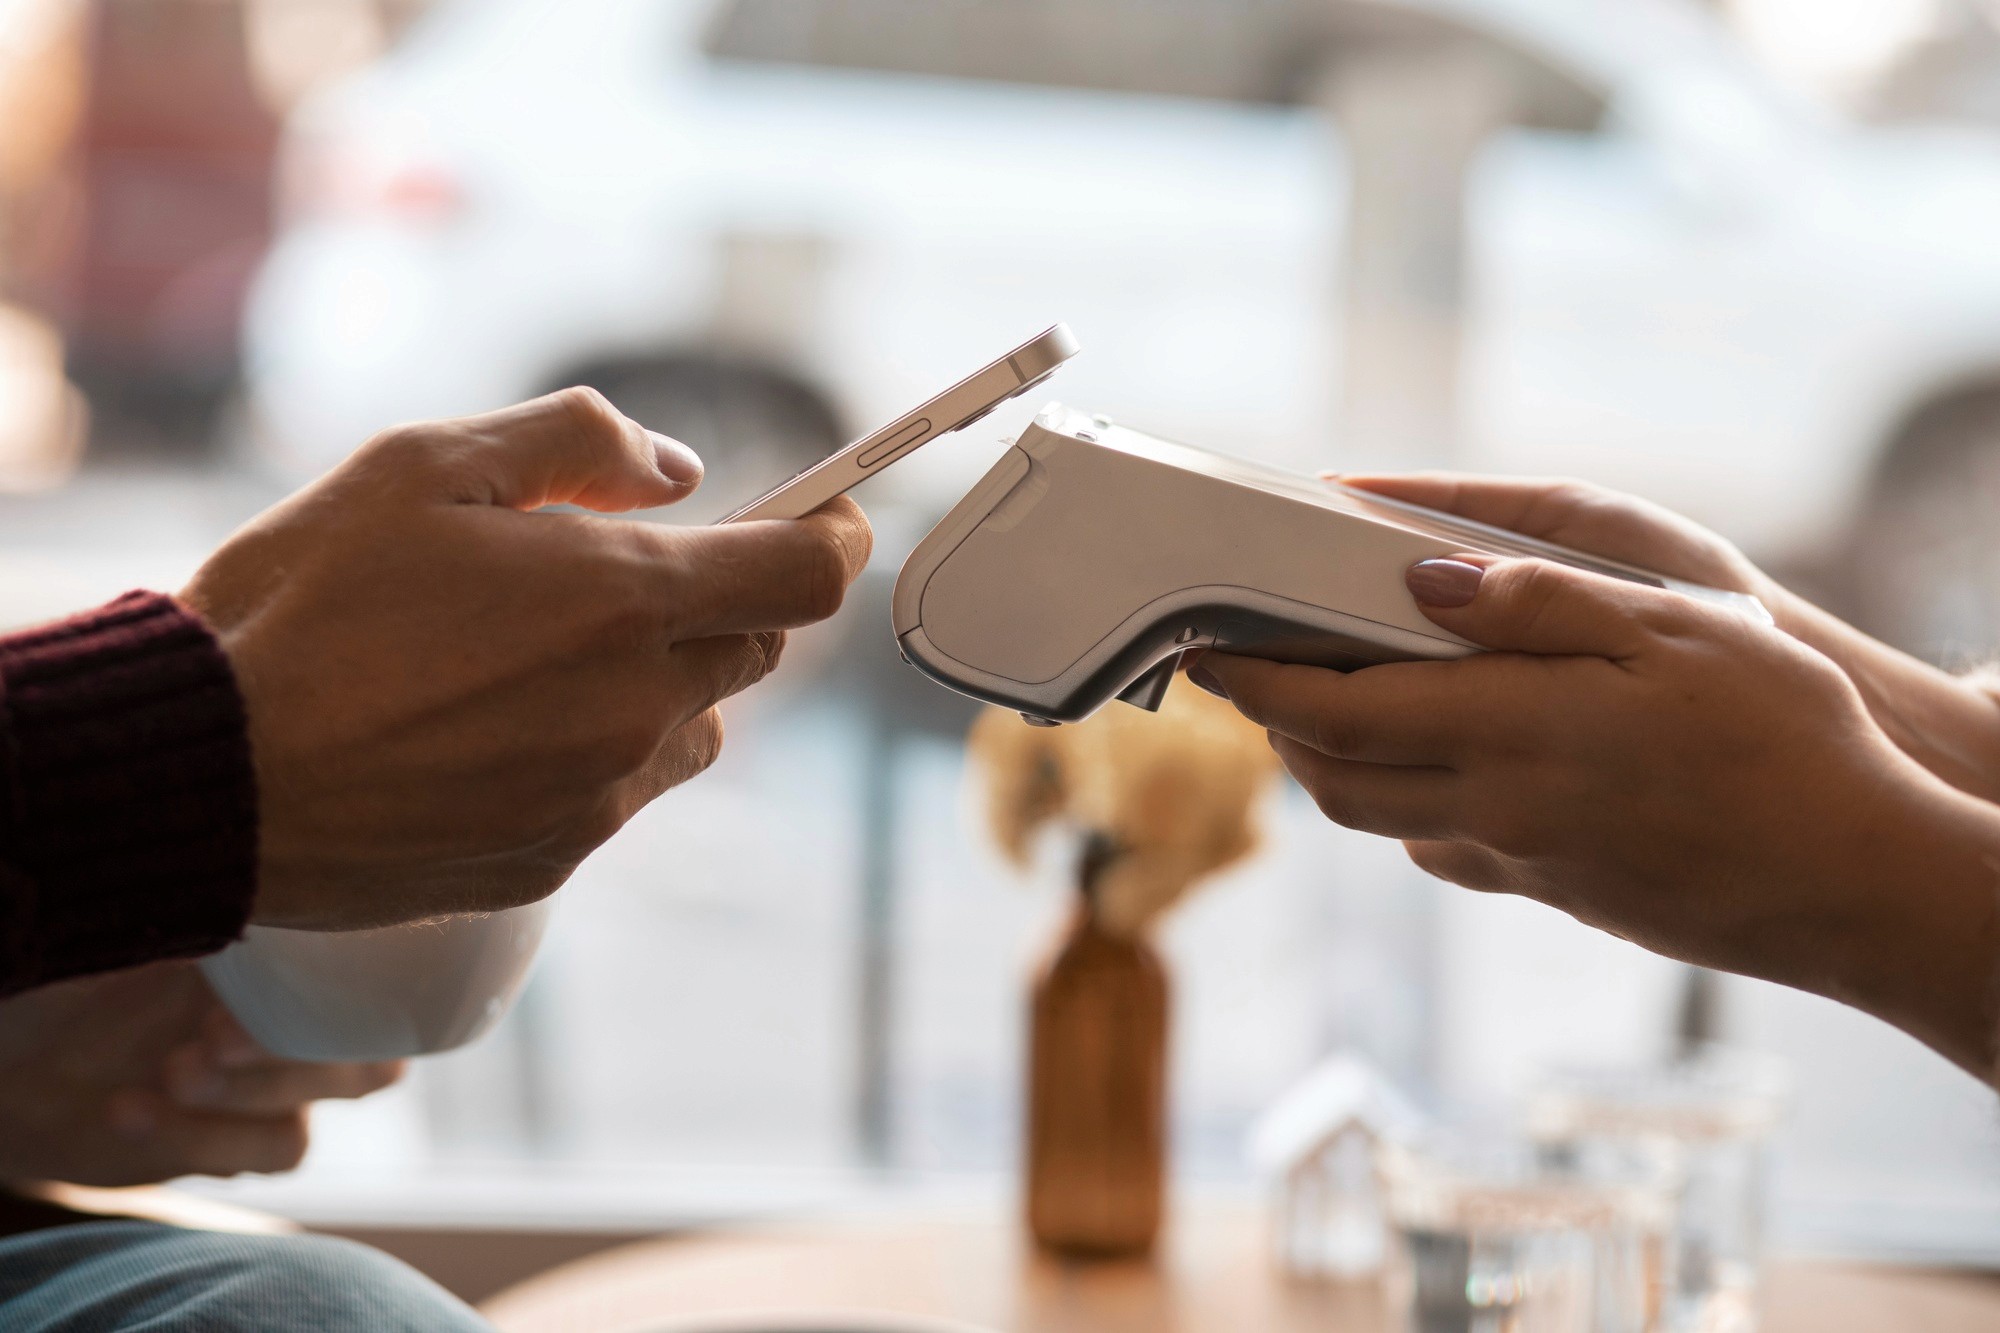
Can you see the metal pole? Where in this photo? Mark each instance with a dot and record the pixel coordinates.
(1413, 114)
(1414, 110)
(875, 1013)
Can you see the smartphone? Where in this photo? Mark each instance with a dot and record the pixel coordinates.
(956, 408)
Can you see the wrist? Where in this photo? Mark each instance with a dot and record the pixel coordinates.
(131, 808)
(1917, 890)
(1949, 724)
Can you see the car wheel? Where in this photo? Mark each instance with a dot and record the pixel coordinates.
(752, 428)
(1923, 570)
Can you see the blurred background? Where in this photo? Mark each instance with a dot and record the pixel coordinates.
(1742, 258)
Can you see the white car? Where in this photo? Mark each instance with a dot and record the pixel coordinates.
(1782, 324)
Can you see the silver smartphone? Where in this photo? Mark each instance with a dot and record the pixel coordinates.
(956, 408)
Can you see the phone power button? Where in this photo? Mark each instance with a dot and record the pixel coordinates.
(896, 443)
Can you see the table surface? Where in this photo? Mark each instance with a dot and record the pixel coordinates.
(1214, 1275)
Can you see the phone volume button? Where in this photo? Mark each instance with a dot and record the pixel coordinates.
(895, 444)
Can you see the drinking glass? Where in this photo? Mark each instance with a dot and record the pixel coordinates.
(1490, 1238)
(1709, 1118)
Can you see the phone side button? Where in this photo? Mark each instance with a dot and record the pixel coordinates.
(901, 440)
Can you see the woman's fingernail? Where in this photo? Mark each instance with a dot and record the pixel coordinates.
(677, 463)
(1202, 676)
(1443, 582)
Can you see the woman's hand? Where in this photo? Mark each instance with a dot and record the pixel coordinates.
(1949, 724)
(1665, 769)
(140, 1076)
(1586, 517)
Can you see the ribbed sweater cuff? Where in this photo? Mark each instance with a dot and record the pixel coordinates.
(130, 802)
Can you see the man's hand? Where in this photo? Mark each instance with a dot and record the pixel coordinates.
(1665, 769)
(453, 700)
(139, 1076)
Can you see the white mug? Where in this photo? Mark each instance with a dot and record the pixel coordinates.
(378, 994)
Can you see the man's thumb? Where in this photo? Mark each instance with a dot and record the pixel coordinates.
(1532, 606)
(572, 447)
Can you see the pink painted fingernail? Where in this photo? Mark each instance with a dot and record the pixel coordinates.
(677, 463)
(1443, 582)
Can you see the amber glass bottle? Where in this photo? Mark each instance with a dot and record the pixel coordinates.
(1097, 1090)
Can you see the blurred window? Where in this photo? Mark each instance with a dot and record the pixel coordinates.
(1269, 51)
(297, 46)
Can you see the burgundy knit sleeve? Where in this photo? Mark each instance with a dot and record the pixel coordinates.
(128, 805)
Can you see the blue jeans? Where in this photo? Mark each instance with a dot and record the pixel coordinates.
(141, 1277)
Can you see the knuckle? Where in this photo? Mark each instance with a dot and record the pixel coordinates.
(381, 1074)
(739, 663)
(1436, 859)
(1467, 866)
(772, 644)
(630, 620)
(289, 1143)
(276, 1144)
(1558, 503)
(625, 570)
(1536, 591)
(629, 747)
(852, 531)
(755, 660)
(1328, 793)
(1574, 493)
(1333, 803)
(1334, 732)
(1530, 588)
(690, 750)
(710, 747)
(588, 409)
(597, 423)
(824, 583)
(656, 559)
(735, 664)
(1537, 583)
(404, 437)
(704, 740)
(596, 828)
(411, 446)
(1672, 617)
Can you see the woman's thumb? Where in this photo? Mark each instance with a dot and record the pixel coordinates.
(1530, 605)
